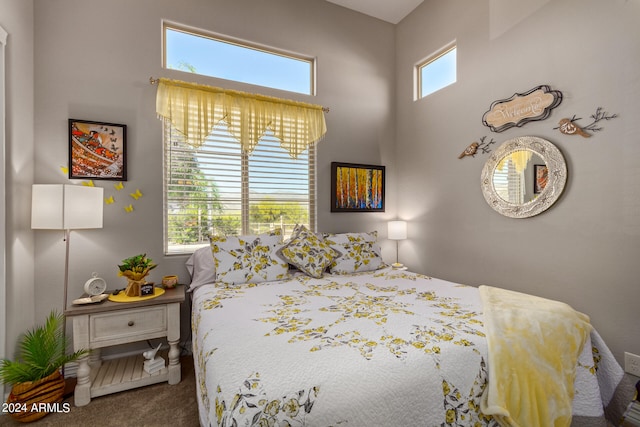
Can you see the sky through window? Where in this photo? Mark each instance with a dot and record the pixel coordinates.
(222, 59)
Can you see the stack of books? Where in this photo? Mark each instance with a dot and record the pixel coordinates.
(154, 365)
(631, 416)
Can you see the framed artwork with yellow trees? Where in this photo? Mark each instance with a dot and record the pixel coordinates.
(357, 188)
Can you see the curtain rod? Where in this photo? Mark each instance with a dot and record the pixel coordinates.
(153, 81)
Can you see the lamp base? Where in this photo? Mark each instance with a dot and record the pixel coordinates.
(397, 265)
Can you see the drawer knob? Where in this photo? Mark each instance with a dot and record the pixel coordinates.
(131, 323)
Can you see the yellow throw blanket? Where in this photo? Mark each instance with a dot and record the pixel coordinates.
(533, 348)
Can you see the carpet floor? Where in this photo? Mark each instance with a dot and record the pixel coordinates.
(151, 406)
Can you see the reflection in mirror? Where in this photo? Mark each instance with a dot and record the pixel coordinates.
(514, 178)
(524, 177)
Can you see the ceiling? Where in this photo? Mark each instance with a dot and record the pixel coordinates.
(388, 10)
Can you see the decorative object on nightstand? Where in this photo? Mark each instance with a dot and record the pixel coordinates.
(66, 207)
(119, 295)
(169, 282)
(153, 363)
(397, 230)
(94, 288)
(136, 269)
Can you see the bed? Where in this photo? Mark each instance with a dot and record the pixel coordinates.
(343, 340)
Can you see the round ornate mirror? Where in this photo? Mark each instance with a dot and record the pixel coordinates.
(524, 177)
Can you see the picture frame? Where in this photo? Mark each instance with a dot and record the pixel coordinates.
(147, 289)
(540, 178)
(357, 187)
(97, 150)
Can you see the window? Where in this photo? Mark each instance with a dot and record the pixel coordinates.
(213, 182)
(221, 189)
(216, 56)
(508, 182)
(436, 72)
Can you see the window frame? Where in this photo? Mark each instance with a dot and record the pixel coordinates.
(312, 61)
(428, 61)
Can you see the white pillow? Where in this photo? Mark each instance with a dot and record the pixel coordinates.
(201, 267)
(248, 259)
(358, 252)
(266, 263)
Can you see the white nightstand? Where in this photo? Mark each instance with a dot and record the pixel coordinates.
(112, 323)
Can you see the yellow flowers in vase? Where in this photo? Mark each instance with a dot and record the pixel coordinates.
(135, 269)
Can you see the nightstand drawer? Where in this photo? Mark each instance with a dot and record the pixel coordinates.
(143, 323)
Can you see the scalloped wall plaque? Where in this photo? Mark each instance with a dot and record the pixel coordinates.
(522, 108)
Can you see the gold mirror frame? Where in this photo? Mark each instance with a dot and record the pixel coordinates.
(557, 170)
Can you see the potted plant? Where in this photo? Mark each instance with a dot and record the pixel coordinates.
(35, 374)
(135, 269)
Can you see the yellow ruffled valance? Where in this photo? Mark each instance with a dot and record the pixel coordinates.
(195, 109)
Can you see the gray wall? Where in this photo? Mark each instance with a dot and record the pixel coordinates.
(93, 60)
(16, 17)
(586, 249)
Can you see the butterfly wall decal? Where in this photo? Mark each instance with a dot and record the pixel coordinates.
(136, 195)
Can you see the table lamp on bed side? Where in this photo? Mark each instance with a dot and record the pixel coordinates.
(397, 230)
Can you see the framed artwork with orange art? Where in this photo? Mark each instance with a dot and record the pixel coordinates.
(97, 150)
(541, 173)
(357, 188)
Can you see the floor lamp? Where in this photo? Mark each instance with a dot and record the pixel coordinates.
(397, 230)
(66, 207)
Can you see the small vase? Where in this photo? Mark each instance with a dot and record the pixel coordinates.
(169, 282)
(25, 395)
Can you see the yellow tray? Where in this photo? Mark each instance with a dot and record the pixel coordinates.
(121, 297)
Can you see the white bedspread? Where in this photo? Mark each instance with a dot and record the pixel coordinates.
(387, 348)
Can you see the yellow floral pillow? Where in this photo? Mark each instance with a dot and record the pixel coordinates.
(307, 252)
(358, 252)
(247, 259)
(266, 263)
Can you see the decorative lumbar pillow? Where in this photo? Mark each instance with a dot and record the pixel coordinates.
(233, 255)
(201, 267)
(307, 252)
(358, 252)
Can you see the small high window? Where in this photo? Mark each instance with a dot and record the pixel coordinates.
(436, 72)
(198, 52)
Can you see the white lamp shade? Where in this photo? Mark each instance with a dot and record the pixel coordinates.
(66, 207)
(397, 230)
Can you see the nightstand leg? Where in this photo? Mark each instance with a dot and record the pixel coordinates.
(173, 337)
(95, 358)
(82, 394)
(174, 362)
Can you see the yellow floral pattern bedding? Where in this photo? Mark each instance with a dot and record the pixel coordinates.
(381, 348)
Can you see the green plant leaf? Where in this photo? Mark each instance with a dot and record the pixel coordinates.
(40, 352)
